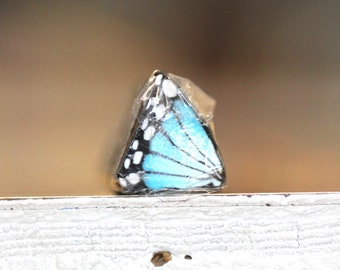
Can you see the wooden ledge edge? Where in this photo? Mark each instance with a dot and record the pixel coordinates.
(194, 200)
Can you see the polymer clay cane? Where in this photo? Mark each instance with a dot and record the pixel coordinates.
(171, 147)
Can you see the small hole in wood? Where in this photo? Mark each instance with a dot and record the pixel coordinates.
(187, 257)
(160, 258)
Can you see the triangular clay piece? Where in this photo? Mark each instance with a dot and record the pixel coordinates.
(171, 147)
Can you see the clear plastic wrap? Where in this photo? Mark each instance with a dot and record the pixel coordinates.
(171, 147)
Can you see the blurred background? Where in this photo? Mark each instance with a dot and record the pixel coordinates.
(69, 71)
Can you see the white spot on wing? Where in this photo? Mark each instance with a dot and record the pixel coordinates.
(149, 132)
(122, 182)
(158, 79)
(135, 145)
(133, 178)
(145, 123)
(155, 101)
(148, 105)
(159, 111)
(169, 88)
(137, 157)
(127, 163)
(216, 183)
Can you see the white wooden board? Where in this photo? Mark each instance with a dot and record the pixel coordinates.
(263, 231)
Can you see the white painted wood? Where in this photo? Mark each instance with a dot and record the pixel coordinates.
(263, 231)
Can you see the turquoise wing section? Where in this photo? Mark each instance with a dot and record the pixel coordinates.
(181, 153)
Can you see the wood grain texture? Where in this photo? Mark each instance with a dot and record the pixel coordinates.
(263, 231)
